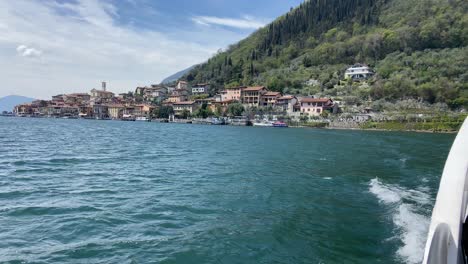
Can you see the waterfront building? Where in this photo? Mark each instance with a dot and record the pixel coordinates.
(251, 96)
(270, 98)
(85, 110)
(100, 111)
(143, 110)
(68, 111)
(179, 107)
(115, 111)
(232, 93)
(286, 103)
(129, 111)
(358, 72)
(315, 106)
(54, 110)
(23, 109)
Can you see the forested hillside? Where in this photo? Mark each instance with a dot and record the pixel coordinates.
(417, 47)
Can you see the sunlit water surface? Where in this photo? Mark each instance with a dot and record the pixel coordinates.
(80, 191)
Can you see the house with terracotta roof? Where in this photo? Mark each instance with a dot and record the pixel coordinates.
(286, 103)
(269, 98)
(251, 96)
(315, 106)
(143, 110)
(179, 107)
(115, 111)
(176, 98)
(232, 93)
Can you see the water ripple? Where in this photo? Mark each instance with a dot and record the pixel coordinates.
(84, 191)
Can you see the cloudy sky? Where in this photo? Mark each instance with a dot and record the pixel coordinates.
(49, 47)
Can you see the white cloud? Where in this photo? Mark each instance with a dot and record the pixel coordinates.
(26, 51)
(246, 22)
(84, 44)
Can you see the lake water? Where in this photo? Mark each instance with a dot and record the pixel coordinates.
(84, 191)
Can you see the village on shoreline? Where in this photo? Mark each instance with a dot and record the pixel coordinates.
(254, 105)
(183, 104)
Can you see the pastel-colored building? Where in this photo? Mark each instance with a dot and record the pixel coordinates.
(251, 96)
(176, 98)
(234, 93)
(315, 106)
(269, 98)
(115, 111)
(179, 107)
(143, 110)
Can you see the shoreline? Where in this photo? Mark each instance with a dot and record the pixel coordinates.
(393, 130)
(300, 126)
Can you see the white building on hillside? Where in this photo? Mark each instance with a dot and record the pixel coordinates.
(359, 72)
(201, 88)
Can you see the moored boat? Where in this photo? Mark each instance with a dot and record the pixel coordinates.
(279, 124)
(263, 124)
(142, 118)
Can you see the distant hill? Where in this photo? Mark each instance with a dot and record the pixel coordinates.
(7, 103)
(417, 47)
(177, 75)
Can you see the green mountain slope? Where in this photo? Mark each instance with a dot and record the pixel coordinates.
(418, 48)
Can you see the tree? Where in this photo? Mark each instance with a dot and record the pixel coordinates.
(306, 61)
(163, 111)
(185, 114)
(235, 109)
(204, 111)
(304, 118)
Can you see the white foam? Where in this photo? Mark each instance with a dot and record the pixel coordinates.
(411, 226)
(327, 178)
(383, 193)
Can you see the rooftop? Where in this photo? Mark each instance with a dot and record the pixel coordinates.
(184, 103)
(239, 87)
(272, 94)
(255, 88)
(286, 97)
(315, 100)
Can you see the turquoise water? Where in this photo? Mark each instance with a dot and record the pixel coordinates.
(83, 191)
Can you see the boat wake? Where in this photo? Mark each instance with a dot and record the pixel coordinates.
(407, 209)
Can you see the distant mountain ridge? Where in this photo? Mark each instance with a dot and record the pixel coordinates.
(7, 103)
(174, 77)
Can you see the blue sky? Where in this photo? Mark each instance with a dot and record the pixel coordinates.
(49, 47)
